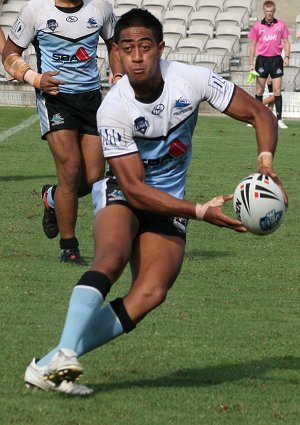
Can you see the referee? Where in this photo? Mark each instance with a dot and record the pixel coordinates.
(268, 38)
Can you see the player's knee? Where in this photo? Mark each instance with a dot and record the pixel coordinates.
(154, 295)
(112, 264)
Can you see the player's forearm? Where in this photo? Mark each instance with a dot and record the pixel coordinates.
(252, 54)
(266, 134)
(147, 198)
(2, 41)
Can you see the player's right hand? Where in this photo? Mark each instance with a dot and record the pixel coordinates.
(214, 215)
(49, 84)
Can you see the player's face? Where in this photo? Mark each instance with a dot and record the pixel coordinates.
(140, 55)
(269, 13)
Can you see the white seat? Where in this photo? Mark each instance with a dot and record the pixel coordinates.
(220, 48)
(183, 5)
(119, 11)
(155, 5)
(291, 79)
(176, 16)
(175, 31)
(131, 4)
(241, 3)
(216, 5)
(187, 58)
(12, 8)
(236, 6)
(207, 60)
(202, 32)
(295, 50)
(229, 17)
(6, 22)
(200, 17)
(231, 33)
(170, 45)
(190, 45)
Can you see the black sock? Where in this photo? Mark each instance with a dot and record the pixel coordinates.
(278, 106)
(118, 307)
(259, 98)
(71, 243)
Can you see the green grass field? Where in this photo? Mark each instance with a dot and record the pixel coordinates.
(225, 346)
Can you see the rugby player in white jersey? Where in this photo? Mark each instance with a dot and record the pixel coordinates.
(140, 211)
(65, 35)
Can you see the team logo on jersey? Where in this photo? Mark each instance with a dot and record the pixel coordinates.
(18, 28)
(71, 19)
(80, 56)
(52, 24)
(158, 109)
(177, 148)
(141, 125)
(57, 119)
(182, 105)
(92, 23)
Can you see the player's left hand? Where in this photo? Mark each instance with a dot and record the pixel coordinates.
(214, 215)
(268, 171)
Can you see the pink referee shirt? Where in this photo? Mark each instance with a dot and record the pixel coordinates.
(269, 38)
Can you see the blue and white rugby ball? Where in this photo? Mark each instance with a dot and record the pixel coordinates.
(259, 204)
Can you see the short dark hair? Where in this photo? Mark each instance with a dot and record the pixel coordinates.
(139, 18)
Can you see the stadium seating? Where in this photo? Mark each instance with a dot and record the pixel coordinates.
(214, 5)
(200, 17)
(6, 22)
(295, 50)
(176, 16)
(202, 32)
(221, 49)
(240, 7)
(210, 61)
(175, 31)
(12, 8)
(155, 5)
(235, 18)
(231, 33)
(182, 5)
(128, 4)
(190, 45)
(291, 79)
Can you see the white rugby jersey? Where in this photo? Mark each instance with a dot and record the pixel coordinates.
(161, 131)
(66, 41)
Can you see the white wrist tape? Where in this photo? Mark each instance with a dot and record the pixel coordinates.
(265, 159)
(201, 209)
(33, 78)
(20, 70)
(16, 66)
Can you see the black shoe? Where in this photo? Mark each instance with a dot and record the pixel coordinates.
(49, 222)
(72, 256)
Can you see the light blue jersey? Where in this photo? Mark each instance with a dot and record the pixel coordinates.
(66, 39)
(161, 131)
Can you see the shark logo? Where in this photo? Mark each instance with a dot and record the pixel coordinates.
(57, 119)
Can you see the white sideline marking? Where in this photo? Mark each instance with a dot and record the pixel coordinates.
(19, 127)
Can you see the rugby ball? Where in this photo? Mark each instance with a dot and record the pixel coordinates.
(259, 204)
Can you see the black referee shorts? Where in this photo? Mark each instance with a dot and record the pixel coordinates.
(269, 66)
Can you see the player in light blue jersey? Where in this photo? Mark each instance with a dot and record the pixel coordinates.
(65, 36)
(140, 211)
